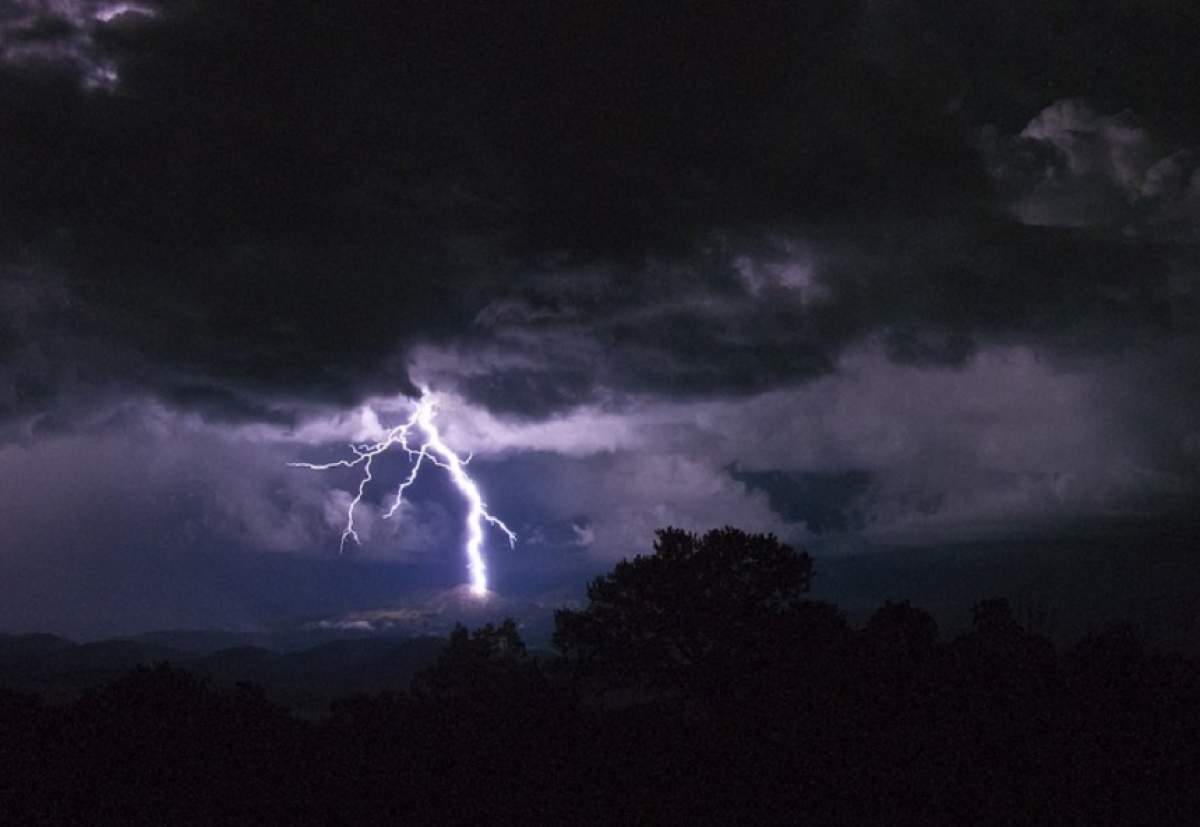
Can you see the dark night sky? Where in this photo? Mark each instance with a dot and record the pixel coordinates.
(861, 274)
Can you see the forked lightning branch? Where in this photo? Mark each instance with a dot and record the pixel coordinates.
(433, 449)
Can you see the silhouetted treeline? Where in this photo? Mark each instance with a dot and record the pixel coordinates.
(698, 685)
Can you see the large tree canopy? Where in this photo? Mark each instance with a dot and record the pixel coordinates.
(700, 608)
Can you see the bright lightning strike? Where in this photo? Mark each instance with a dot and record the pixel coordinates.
(435, 450)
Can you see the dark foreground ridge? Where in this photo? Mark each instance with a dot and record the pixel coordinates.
(698, 685)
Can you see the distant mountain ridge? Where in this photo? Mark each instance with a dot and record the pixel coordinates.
(301, 665)
(304, 680)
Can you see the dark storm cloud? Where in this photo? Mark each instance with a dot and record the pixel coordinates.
(264, 204)
(750, 316)
(281, 197)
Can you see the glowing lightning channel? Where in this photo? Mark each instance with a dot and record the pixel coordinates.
(434, 449)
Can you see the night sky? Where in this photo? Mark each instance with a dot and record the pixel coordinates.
(869, 276)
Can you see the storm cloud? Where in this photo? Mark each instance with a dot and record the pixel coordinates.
(869, 270)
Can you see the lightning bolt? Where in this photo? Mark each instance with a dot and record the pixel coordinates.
(432, 448)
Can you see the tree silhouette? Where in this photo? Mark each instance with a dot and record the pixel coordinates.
(901, 627)
(700, 609)
(491, 661)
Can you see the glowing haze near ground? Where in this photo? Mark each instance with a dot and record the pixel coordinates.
(435, 450)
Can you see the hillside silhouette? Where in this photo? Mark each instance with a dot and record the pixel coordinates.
(699, 685)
